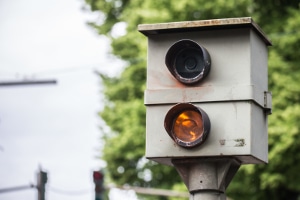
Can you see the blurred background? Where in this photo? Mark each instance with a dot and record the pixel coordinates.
(94, 117)
(50, 126)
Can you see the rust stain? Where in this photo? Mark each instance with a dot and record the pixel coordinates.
(187, 24)
(222, 142)
(240, 142)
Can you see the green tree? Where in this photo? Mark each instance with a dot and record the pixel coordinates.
(279, 179)
(124, 111)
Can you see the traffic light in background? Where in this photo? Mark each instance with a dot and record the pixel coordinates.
(98, 178)
(207, 91)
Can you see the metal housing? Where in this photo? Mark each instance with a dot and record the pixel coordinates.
(234, 94)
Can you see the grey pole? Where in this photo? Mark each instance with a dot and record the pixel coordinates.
(207, 178)
(11, 189)
(27, 82)
(207, 196)
(41, 183)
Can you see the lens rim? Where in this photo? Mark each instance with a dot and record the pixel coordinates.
(176, 49)
(172, 115)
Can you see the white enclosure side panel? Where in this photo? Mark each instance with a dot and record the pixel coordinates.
(230, 135)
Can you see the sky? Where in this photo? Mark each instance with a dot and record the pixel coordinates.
(54, 127)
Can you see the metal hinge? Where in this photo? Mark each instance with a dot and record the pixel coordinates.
(268, 102)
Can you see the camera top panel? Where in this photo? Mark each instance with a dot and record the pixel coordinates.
(188, 26)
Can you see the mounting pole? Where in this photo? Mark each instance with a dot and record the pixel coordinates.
(207, 178)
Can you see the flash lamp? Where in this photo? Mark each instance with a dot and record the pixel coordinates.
(187, 125)
(188, 61)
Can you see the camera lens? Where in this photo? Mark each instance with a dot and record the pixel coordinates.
(187, 61)
(190, 63)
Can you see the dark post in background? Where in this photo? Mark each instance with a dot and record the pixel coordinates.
(41, 184)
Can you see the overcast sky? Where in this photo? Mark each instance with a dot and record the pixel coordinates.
(52, 126)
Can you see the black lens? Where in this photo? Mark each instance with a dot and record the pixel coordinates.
(189, 63)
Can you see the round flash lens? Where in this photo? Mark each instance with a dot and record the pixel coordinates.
(188, 126)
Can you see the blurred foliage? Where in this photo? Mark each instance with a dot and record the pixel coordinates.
(124, 111)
